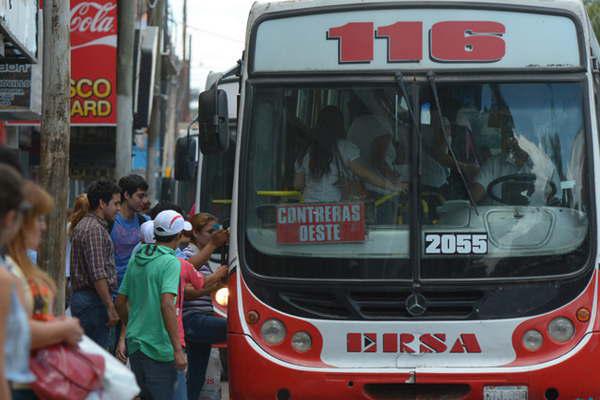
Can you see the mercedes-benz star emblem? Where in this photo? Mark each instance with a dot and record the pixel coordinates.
(416, 304)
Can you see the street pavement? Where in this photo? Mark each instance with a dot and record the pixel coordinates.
(224, 391)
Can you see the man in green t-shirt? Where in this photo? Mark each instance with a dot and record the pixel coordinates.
(146, 305)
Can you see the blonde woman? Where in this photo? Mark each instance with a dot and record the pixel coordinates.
(40, 289)
(14, 329)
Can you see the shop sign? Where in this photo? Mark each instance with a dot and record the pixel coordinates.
(320, 223)
(93, 62)
(20, 91)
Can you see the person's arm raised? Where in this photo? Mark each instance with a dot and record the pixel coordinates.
(217, 240)
(216, 278)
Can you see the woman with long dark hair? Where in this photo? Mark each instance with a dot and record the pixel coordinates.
(331, 161)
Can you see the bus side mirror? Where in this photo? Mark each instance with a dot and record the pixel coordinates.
(186, 158)
(213, 121)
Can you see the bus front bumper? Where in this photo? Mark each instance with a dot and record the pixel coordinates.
(254, 376)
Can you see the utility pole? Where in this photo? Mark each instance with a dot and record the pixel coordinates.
(55, 132)
(155, 19)
(127, 17)
(184, 29)
(184, 75)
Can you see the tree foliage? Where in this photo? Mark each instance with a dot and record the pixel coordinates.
(593, 9)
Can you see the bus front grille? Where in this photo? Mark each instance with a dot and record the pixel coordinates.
(458, 304)
(389, 304)
(317, 304)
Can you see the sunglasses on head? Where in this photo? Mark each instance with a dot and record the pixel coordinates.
(24, 207)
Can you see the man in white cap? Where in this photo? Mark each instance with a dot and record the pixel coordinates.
(146, 305)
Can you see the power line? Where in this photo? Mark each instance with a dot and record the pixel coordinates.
(219, 35)
(211, 33)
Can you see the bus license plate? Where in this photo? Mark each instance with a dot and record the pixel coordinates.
(505, 392)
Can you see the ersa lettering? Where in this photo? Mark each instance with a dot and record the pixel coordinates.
(323, 223)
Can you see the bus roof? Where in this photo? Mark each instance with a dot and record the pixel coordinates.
(259, 8)
(575, 8)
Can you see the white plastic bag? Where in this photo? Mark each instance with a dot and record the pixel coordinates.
(97, 395)
(212, 382)
(119, 381)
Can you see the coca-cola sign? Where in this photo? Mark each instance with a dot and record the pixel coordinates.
(92, 21)
(93, 17)
(93, 62)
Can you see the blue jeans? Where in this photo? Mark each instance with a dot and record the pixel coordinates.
(180, 387)
(201, 331)
(88, 307)
(23, 394)
(155, 378)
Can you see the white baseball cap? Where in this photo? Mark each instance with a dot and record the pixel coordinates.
(147, 232)
(168, 223)
(187, 226)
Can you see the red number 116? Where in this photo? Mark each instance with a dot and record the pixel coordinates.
(450, 41)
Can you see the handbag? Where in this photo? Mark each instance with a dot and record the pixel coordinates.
(350, 186)
(119, 381)
(65, 373)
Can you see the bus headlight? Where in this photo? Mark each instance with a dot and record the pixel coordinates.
(301, 342)
(222, 297)
(533, 340)
(273, 331)
(561, 329)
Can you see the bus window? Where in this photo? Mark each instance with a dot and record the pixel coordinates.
(329, 173)
(521, 160)
(502, 177)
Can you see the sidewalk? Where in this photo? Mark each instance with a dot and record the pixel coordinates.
(224, 390)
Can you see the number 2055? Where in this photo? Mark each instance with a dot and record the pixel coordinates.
(456, 243)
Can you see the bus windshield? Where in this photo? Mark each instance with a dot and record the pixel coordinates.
(217, 181)
(500, 171)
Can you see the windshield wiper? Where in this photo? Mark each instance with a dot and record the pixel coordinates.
(402, 86)
(413, 115)
(445, 133)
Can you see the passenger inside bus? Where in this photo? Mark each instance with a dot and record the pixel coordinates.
(330, 169)
(512, 176)
(372, 134)
(297, 137)
(440, 170)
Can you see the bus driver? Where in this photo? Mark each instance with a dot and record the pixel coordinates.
(514, 160)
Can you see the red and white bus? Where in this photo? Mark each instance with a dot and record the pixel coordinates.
(480, 280)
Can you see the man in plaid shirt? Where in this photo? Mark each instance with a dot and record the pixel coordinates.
(93, 272)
